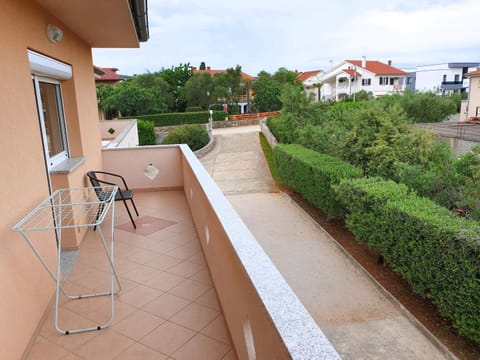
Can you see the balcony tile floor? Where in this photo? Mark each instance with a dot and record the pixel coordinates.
(168, 307)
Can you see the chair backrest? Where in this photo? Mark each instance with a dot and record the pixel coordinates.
(93, 179)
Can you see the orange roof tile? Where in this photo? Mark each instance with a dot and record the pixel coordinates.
(473, 73)
(352, 72)
(378, 67)
(110, 75)
(212, 72)
(302, 76)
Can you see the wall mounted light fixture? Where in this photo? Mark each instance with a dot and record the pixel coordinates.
(54, 34)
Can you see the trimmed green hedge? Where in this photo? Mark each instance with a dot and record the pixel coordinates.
(193, 109)
(200, 117)
(312, 175)
(146, 133)
(437, 253)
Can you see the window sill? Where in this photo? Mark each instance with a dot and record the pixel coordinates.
(68, 166)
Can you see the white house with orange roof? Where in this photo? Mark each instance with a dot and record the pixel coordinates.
(311, 82)
(352, 76)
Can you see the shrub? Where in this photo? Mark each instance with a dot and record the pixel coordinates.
(195, 136)
(438, 254)
(423, 107)
(169, 119)
(146, 133)
(313, 175)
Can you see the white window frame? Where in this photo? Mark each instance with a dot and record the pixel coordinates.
(52, 161)
(48, 70)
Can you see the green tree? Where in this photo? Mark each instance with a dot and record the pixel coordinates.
(198, 90)
(229, 85)
(267, 93)
(177, 77)
(423, 107)
(131, 99)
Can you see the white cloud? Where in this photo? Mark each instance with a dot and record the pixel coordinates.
(303, 34)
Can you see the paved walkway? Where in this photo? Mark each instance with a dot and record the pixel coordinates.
(354, 314)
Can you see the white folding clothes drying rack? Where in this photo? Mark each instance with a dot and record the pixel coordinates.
(72, 209)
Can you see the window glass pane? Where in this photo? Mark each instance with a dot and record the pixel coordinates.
(51, 105)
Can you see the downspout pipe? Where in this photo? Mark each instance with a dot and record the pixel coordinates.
(140, 18)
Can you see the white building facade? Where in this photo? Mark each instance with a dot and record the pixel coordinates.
(443, 79)
(311, 81)
(351, 76)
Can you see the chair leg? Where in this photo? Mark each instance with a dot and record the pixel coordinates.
(136, 211)
(129, 214)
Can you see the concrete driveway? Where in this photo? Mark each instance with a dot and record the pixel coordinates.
(359, 320)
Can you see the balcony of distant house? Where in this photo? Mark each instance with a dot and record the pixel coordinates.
(455, 85)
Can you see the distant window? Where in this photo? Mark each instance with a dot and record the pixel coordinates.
(444, 78)
(457, 77)
(383, 80)
(409, 81)
(366, 82)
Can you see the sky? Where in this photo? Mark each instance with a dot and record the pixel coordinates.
(300, 35)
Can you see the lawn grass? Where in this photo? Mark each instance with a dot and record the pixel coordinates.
(267, 151)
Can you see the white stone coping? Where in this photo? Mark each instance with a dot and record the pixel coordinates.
(300, 333)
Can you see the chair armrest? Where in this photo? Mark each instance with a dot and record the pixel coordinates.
(114, 175)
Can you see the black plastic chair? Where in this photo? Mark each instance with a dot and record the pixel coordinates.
(123, 193)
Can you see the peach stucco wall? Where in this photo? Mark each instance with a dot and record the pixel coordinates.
(131, 163)
(25, 287)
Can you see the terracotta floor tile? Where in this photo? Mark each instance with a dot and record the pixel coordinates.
(43, 349)
(105, 346)
(186, 269)
(123, 249)
(230, 356)
(141, 274)
(165, 281)
(197, 258)
(209, 299)
(141, 352)
(146, 225)
(201, 347)
(71, 356)
(182, 252)
(86, 306)
(166, 305)
(103, 314)
(168, 337)
(137, 325)
(140, 295)
(189, 290)
(142, 256)
(123, 266)
(127, 284)
(161, 322)
(217, 329)
(203, 276)
(163, 247)
(68, 320)
(163, 262)
(91, 279)
(194, 316)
